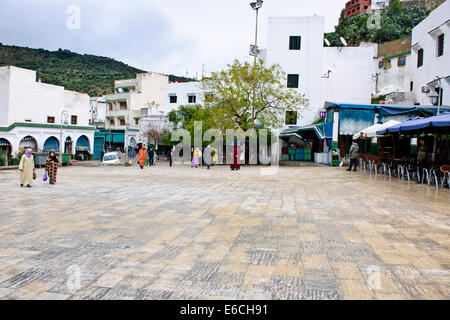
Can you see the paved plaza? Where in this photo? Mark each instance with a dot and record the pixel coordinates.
(192, 233)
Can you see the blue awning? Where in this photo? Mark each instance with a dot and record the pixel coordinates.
(352, 121)
(439, 121)
(51, 144)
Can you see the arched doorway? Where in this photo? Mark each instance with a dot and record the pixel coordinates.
(28, 142)
(82, 148)
(51, 144)
(5, 152)
(68, 145)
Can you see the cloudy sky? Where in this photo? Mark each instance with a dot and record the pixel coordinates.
(167, 36)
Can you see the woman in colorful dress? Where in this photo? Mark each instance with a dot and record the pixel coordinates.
(51, 167)
(142, 155)
(26, 168)
(195, 158)
(215, 155)
(236, 161)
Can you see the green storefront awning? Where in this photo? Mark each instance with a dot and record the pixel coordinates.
(115, 137)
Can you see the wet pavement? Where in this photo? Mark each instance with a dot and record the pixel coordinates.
(192, 233)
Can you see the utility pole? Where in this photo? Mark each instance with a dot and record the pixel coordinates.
(255, 6)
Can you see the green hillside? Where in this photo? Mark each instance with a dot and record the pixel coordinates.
(395, 23)
(90, 74)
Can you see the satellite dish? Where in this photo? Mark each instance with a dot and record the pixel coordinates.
(344, 42)
(326, 42)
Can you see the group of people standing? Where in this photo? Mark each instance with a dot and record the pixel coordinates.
(28, 171)
(147, 158)
(213, 157)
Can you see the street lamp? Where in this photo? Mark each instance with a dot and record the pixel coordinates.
(255, 52)
(64, 115)
(436, 101)
(127, 127)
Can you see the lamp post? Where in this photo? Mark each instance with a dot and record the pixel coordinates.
(127, 127)
(64, 115)
(436, 100)
(255, 6)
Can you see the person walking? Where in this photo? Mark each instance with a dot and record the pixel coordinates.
(208, 157)
(194, 162)
(354, 152)
(142, 156)
(215, 155)
(169, 155)
(51, 167)
(236, 162)
(26, 168)
(150, 157)
(155, 157)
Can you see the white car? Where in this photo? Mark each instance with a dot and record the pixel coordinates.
(111, 158)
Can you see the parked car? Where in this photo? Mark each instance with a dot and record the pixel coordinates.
(111, 158)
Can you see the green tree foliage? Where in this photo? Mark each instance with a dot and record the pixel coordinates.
(395, 6)
(185, 116)
(89, 74)
(232, 97)
(396, 23)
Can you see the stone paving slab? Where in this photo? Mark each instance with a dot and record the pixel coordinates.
(191, 233)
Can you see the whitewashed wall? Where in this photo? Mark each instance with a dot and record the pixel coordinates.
(182, 90)
(424, 36)
(350, 79)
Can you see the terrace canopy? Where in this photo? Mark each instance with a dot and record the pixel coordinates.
(419, 124)
(371, 132)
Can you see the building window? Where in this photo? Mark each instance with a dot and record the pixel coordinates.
(123, 105)
(411, 86)
(50, 119)
(110, 106)
(440, 47)
(291, 117)
(292, 81)
(419, 58)
(73, 119)
(387, 64)
(295, 42)
(381, 64)
(122, 122)
(136, 121)
(401, 61)
(27, 120)
(173, 99)
(192, 99)
(111, 122)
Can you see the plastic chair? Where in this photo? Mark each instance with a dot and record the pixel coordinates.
(445, 169)
(425, 173)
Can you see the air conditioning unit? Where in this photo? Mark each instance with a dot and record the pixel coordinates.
(425, 89)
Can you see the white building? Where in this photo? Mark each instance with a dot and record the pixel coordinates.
(431, 57)
(183, 93)
(98, 110)
(392, 78)
(31, 114)
(379, 4)
(321, 73)
(130, 103)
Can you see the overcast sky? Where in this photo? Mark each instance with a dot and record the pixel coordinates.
(167, 36)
